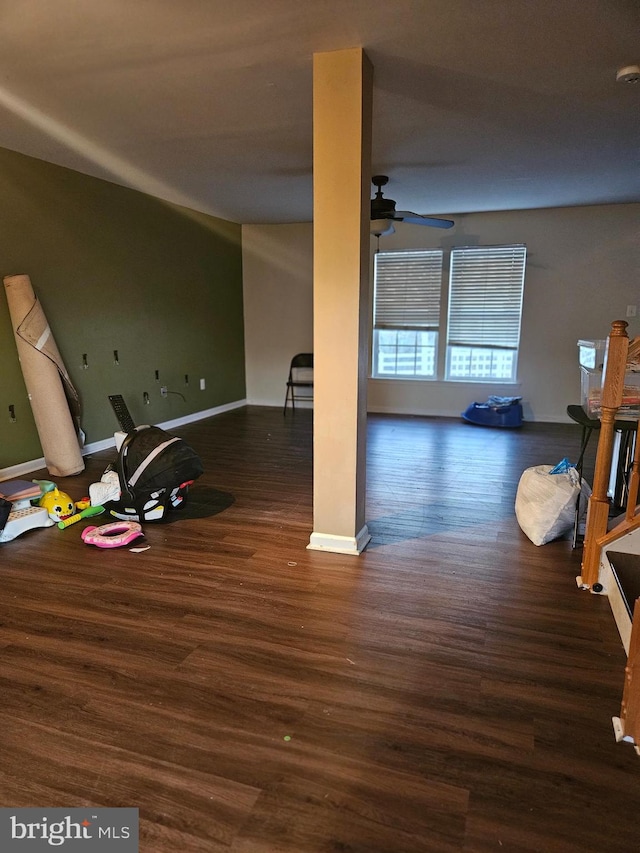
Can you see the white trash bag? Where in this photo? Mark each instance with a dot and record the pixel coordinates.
(546, 503)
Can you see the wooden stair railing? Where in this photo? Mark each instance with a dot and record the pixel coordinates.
(627, 725)
(631, 520)
(611, 400)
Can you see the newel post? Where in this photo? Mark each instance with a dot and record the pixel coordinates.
(611, 400)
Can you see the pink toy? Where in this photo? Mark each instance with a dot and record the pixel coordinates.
(112, 535)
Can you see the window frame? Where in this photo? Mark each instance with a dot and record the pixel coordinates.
(484, 308)
(395, 309)
(507, 318)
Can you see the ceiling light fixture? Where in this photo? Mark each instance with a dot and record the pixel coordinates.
(628, 74)
(381, 228)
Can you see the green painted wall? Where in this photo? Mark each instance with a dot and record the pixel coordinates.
(116, 269)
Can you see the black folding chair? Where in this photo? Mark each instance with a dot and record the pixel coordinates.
(300, 381)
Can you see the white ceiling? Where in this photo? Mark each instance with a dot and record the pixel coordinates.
(478, 104)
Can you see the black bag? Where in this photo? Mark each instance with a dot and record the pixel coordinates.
(155, 470)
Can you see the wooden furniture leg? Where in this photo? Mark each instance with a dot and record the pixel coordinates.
(611, 400)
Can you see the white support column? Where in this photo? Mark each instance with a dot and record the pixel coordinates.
(342, 99)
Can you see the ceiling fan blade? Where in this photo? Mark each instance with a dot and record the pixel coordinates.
(418, 219)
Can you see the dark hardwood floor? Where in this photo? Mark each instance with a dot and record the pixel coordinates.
(450, 689)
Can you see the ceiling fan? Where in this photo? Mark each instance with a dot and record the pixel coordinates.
(384, 213)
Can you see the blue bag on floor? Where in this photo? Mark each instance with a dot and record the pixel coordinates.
(496, 412)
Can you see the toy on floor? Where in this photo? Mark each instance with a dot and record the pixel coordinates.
(57, 504)
(113, 535)
(45, 485)
(85, 512)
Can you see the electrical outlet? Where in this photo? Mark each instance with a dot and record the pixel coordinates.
(164, 391)
(632, 310)
(203, 384)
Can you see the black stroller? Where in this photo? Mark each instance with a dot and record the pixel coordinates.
(155, 470)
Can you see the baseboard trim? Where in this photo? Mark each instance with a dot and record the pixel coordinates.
(16, 471)
(200, 416)
(354, 545)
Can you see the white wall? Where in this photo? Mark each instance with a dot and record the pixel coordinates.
(583, 269)
(277, 269)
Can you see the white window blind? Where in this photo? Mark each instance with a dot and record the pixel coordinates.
(485, 296)
(407, 289)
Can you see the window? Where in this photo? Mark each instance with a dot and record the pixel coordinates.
(480, 321)
(485, 306)
(406, 313)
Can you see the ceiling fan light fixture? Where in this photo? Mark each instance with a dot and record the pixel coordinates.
(384, 209)
(382, 228)
(628, 74)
